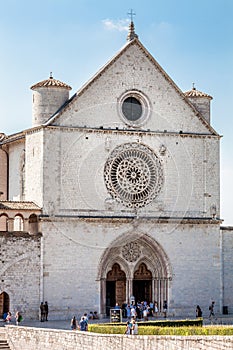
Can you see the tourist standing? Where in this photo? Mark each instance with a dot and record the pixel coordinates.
(145, 314)
(83, 325)
(133, 312)
(198, 311)
(156, 310)
(46, 310)
(73, 323)
(128, 312)
(42, 312)
(165, 308)
(117, 307)
(134, 327)
(127, 330)
(8, 317)
(18, 318)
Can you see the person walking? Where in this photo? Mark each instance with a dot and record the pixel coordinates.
(211, 309)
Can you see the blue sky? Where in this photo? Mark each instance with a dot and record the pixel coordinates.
(192, 41)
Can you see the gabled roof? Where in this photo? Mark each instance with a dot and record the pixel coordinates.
(16, 205)
(137, 42)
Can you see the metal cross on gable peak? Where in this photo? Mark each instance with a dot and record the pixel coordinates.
(131, 14)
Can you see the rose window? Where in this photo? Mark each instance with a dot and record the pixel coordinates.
(131, 251)
(133, 175)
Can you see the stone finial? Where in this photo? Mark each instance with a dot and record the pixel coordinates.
(131, 34)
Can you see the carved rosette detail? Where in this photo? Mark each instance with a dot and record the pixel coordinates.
(133, 175)
(131, 251)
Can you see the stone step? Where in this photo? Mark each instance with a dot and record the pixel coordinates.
(4, 345)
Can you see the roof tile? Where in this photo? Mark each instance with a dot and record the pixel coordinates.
(51, 82)
(196, 93)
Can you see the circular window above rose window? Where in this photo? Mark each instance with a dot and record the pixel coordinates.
(133, 175)
(134, 108)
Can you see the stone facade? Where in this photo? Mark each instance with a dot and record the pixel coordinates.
(126, 176)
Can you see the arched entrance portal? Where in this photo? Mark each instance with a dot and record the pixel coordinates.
(4, 303)
(115, 287)
(142, 284)
(135, 265)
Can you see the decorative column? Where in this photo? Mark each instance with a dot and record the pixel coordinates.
(154, 290)
(130, 281)
(159, 295)
(26, 225)
(10, 224)
(103, 296)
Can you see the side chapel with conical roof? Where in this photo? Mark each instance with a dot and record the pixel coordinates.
(112, 196)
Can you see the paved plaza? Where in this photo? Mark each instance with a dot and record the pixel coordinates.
(65, 324)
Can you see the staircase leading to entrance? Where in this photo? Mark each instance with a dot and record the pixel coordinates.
(3, 342)
(4, 345)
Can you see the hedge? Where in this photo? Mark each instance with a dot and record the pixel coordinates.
(156, 330)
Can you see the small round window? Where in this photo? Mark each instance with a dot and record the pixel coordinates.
(132, 108)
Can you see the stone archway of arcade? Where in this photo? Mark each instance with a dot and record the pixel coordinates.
(20, 221)
(4, 304)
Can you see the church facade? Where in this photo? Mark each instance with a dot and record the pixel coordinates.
(113, 195)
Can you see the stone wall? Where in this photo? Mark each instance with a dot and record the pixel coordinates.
(20, 271)
(3, 175)
(33, 338)
(227, 263)
(16, 160)
(34, 167)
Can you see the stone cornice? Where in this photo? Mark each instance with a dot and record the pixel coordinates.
(133, 219)
(133, 132)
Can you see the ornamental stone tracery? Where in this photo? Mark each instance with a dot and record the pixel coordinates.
(133, 175)
(131, 251)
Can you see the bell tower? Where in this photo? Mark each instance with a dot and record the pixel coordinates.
(48, 96)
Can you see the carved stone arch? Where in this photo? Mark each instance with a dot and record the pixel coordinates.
(149, 264)
(114, 259)
(111, 256)
(129, 251)
(157, 254)
(142, 272)
(33, 223)
(18, 222)
(4, 222)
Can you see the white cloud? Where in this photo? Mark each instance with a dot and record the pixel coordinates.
(121, 25)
